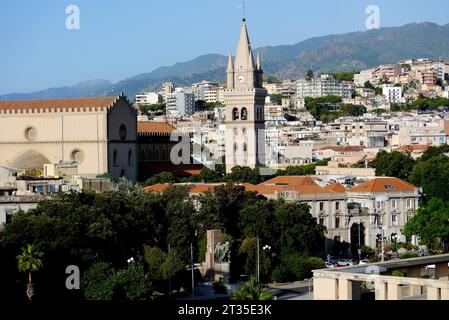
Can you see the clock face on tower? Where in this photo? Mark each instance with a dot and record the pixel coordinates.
(241, 79)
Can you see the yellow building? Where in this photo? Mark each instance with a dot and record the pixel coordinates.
(98, 133)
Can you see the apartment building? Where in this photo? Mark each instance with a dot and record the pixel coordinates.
(325, 85)
(180, 103)
(147, 98)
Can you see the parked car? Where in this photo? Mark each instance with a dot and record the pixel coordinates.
(345, 262)
(329, 264)
(363, 262)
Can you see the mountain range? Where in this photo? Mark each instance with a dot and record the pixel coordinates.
(332, 53)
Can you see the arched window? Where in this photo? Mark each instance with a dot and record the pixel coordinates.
(244, 114)
(130, 158)
(122, 173)
(156, 155)
(235, 131)
(244, 131)
(150, 155)
(115, 158)
(245, 147)
(235, 147)
(235, 114)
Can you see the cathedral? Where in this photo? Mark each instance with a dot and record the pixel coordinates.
(245, 100)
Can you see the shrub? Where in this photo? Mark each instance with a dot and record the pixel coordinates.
(220, 287)
(408, 255)
(397, 273)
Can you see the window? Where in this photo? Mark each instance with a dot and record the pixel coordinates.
(245, 147)
(337, 206)
(337, 222)
(409, 203)
(321, 206)
(235, 147)
(244, 114)
(393, 204)
(393, 219)
(122, 132)
(236, 131)
(235, 114)
(115, 158)
(130, 158)
(321, 221)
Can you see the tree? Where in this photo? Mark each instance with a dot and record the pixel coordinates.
(248, 255)
(432, 175)
(309, 75)
(251, 290)
(163, 177)
(395, 164)
(430, 223)
(368, 85)
(298, 229)
(352, 110)
(30, 260)
(102, 282)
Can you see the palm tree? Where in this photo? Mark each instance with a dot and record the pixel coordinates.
(251, 290)
(30, 261)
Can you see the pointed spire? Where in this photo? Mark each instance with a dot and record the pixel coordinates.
(230, 63)
(258, 64)
(243, 57)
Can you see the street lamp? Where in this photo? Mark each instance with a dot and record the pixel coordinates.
(382, 199)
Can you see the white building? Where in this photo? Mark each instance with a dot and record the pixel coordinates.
(326, 85)
(181, 103)
(147, 98)
(392, 93)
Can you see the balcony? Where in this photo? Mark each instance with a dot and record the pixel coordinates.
(355, 209)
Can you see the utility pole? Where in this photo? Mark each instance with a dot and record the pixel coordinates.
(382, 249)
(360, 246)
(193, 278)
(258, 262)
(169, 271)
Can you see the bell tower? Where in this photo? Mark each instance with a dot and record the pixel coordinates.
(245, 101)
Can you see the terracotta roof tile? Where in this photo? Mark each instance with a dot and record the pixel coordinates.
(343, 148)
(413, 147)
(384, 185)
(291, 180)
(150, 126)
(336, 187)
(81, 103)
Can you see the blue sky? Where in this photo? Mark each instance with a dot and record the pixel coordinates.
(118, 39)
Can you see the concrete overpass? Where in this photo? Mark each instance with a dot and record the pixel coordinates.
(348, 283)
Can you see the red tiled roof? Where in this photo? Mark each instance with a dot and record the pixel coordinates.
(291, 180)
(413, 147)
(336, 187)
(81, 103)
(384, 185)
(343, 148)
(150, 127)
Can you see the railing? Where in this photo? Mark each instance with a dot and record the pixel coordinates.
(23, 198)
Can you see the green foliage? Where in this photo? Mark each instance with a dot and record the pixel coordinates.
(379, 111)
(220, 287)
(164, 177)
(430, 223)
(30, 260)
(309, 75)
(298, 229)
(270, 79)
(251, 290)
(300, 267)
(155, 257)
(408, 255)
(350, 110)
(248, 254)
(97, 282)
(432, 175)
(368, 85)
(320, 108)
(210, 106)
(345, 76)
(146, 108)
(278, 98)
(101, 282)
(393, 164)
(398, 273)
(367, 251)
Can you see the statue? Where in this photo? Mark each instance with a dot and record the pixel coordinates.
(223, 252)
